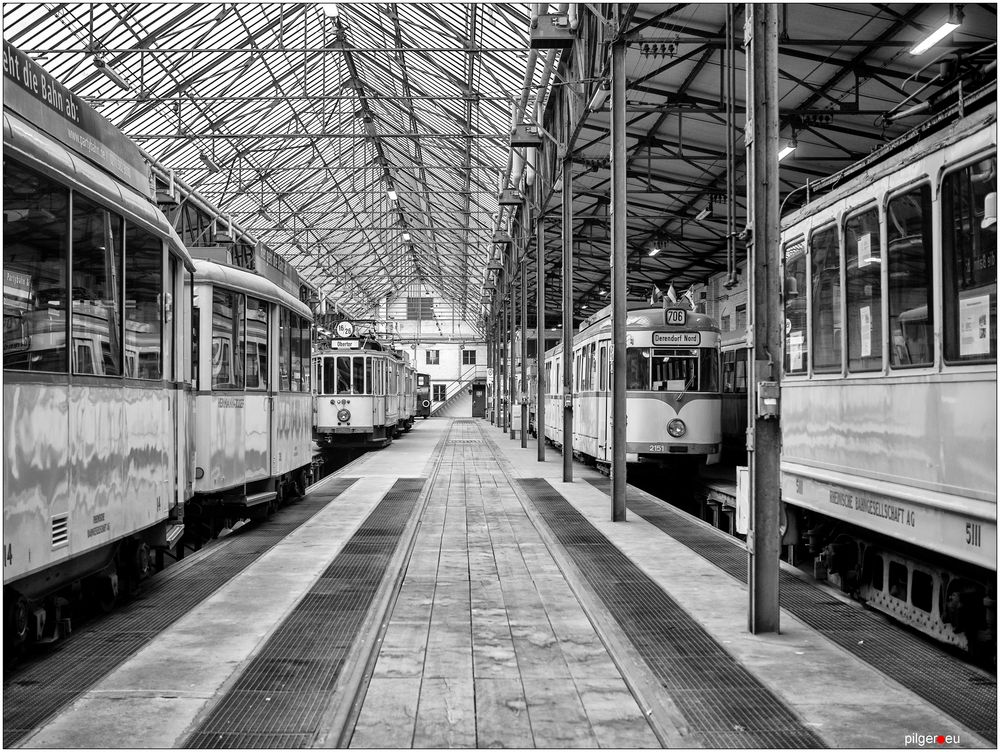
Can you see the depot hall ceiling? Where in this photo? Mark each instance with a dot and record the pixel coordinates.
(368, 143)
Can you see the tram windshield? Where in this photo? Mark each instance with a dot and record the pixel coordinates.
(672, 370)
(345, 374)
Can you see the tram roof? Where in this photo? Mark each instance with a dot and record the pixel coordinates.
(297, 119)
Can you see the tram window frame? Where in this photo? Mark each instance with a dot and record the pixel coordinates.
(901, 354)
(305, 341)
(964, 329)
(604, 367)
(638, 372)
(231, 379)
(863, 287)
(257, 349)
(43, 267)
(96, 287)
(796, 305)
(295, 352)
(826, 323)
(284, 350)
(144, 286)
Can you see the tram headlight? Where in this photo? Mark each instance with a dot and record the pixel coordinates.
(676, 428)
(343, 415)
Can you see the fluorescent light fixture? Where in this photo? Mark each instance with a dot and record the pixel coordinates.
(265, 216)
(654, 250)
(392, 195)
(108, 71)
(406, 237)
(209, 162)
(787, 149)
(330, 9)
(600, 96)
(953, 22)
(706, 212)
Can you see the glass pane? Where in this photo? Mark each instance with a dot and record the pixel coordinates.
(284, 350)
(675, 370)
(227, 340)
(256, 344)
(908, 258)
(96, 288)
(796, 333)
(970, 263)
(637, 368)
(863, 256)
(709, 373)
(305, 339)
(358, 364)
(143, 291)
(328, 384)
(35, 245)
(344, 374)
(295, 348)
(824, 250)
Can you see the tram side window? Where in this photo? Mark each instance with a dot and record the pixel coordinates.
(257, 359)
(96, 289)
(295, 347)
(824, 249)
(970, 263)
(708, 370)
(284, 350)
(35, 246)
(227, 339)
(143, 314)
(637, 368)
(796, 334)
(908, 261)
(863, 257)
(305, 338)
(604, 368)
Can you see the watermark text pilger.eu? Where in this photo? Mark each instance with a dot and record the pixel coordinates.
(931, 740)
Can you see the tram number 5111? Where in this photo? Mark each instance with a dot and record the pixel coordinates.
(973, 534)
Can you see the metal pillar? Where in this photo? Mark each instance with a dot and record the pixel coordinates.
(502, 382)
(619, 272)
(524, 351)
(567, 313)
(512, 308)
(540, 383)
(764, 537)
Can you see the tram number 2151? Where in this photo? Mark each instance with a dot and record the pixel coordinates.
(973, 534)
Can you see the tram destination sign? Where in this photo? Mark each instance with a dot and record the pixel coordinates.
(38, 98)
(688, 339)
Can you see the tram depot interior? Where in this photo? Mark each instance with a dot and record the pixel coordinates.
(739, 259)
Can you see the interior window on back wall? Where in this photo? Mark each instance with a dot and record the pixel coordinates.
(438, 392)
(468, 357)
(433, 357)
(420, 308)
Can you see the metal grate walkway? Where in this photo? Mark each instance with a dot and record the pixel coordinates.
(40, 688)
(718, 697)
(280, 699)
(958, 689)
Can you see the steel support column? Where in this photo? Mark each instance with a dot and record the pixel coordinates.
(540, 383)
(512, 308)
(764, 361)
(567, 313)
(619, 272)
(524, 350)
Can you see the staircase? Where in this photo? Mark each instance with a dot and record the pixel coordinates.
(453, 404)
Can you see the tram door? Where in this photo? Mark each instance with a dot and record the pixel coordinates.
(479, 400)
(604, 397)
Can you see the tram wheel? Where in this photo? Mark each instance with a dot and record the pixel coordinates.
(18, 621)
